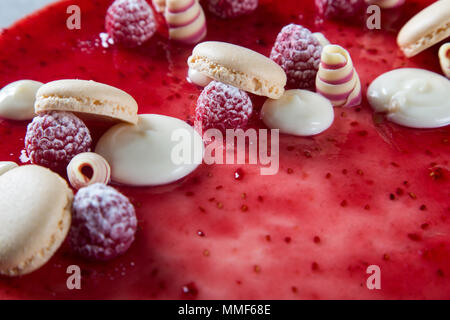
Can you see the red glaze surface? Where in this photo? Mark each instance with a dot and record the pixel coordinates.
(359, 194)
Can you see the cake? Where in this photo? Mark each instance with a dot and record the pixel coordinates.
(364, 192)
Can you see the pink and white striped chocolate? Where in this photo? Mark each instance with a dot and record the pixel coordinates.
(186, 21)
(337, 79)
(387, 4)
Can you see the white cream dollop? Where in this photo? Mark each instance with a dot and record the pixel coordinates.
(412, 97)
(17, 100)
(6, 166)
(298, 112)
(143, 154)
(198, 78)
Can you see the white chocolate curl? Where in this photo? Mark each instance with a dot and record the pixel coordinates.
(386, 4)
(337, 79)
(186, 21)
(444, 58)
(101, 171)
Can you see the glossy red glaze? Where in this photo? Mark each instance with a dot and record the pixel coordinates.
(308, 232)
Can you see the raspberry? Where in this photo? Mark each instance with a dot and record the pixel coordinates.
(130, 22)
(298, 52)
(231, 8)
(54, 138)
(341, 9)
(103, 223)
(221, 106)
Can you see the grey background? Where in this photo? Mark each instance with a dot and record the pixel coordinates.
(11, 10)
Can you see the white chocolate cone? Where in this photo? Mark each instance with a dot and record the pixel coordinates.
(186, 20)
(337, 79)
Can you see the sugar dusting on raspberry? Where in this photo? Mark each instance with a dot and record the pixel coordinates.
(231, 8)
(54, 138)
(104, 223)
(298, 52)
(340, 9)
(221, 106)
(130, 22)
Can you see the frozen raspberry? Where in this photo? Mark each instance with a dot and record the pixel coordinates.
(103, 223)
(130, 22)
(340, 9)
(54, 138)
(221, 106)
(231, 8)
(298, 52)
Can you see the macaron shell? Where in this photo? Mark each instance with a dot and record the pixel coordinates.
(240, 67)
(425, 29)
(87, 97)
(35, 216)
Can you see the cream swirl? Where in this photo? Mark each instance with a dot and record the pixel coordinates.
(186, 20)
(337, 79)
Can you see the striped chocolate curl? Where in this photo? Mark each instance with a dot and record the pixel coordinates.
(186, 20)
(337, 79)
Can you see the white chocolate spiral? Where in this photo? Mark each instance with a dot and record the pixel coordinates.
(444, 58)
(186, 20)
(101, 170)
(386, 4)
(337, 79)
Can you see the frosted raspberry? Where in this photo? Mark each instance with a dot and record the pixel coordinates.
(54, 138)
(340, 9)
(130, 22)
(221, 106)
(231, 8)
(298, 52)
(103, 223)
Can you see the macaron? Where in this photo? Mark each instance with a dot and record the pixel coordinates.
(240, 67)
(35, 216)
(428, 27)
(89, 99)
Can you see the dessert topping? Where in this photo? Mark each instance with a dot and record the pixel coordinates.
(297, 51)
(130, 22)
(54, 138)
(99, 170)
(444, 58)
(5, 166)
(17, 100)
(412, 97)
(231, 8)
(186, 20)
(104, 223)
(221, 106)
(337, 79)
(158, 150)
(298, 112)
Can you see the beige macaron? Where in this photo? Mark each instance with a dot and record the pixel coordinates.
(239, 67)
(88, 98)
(35, 216)
(425, 29)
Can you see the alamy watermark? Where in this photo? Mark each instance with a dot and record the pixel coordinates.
(251, 146)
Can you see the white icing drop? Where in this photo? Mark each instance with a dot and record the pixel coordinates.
(411, 97)
(298, 112)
